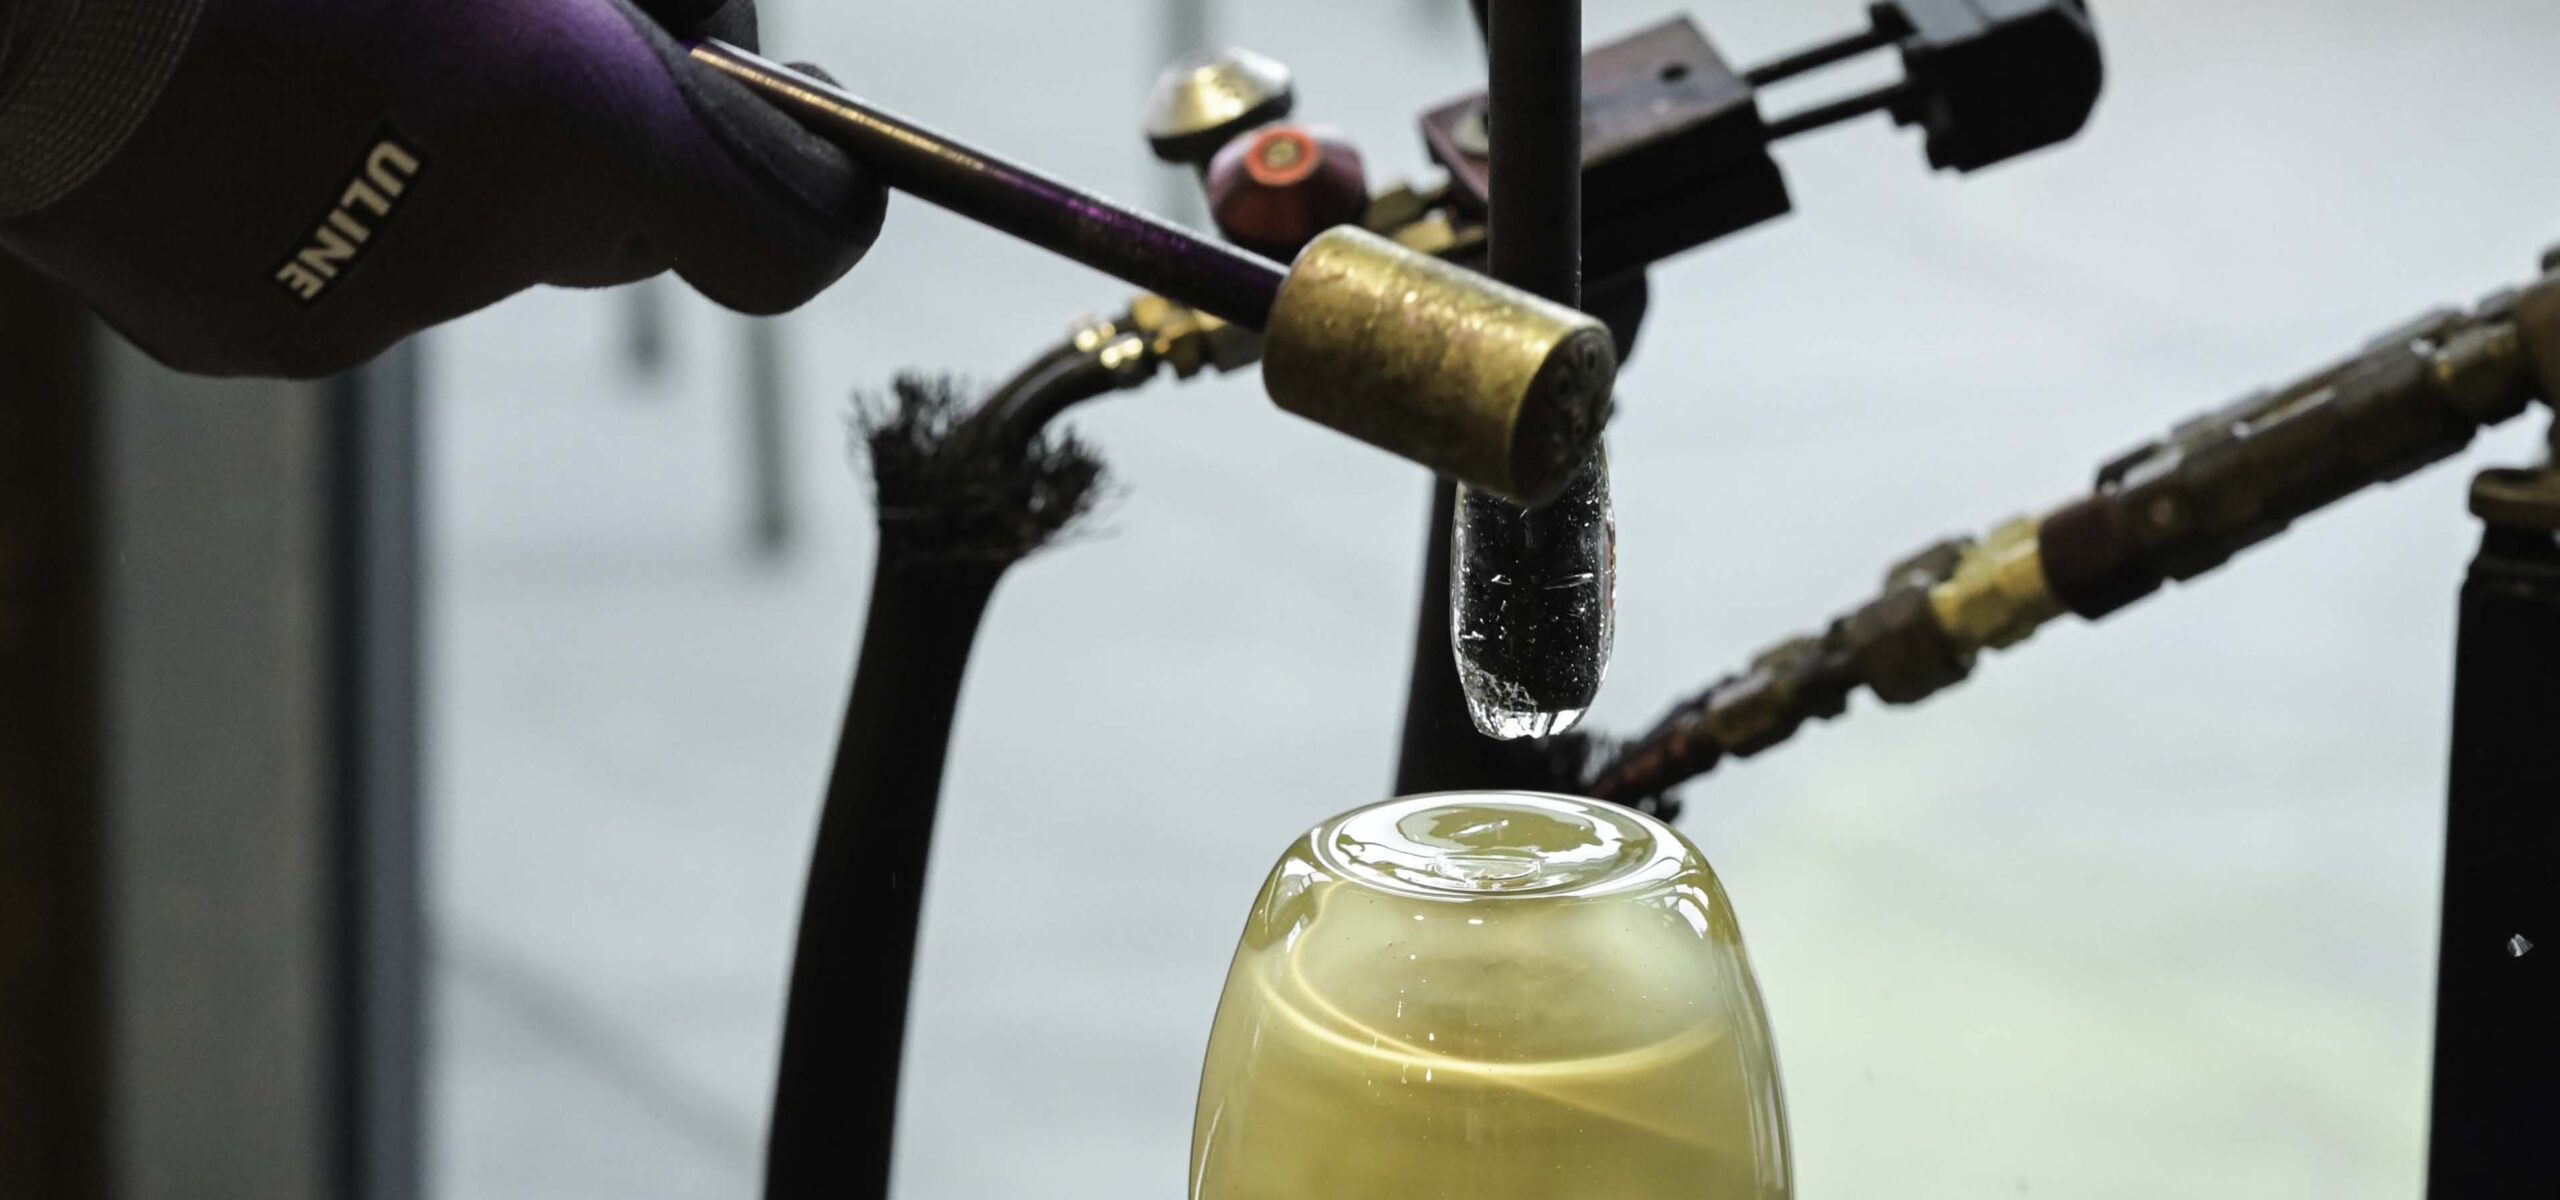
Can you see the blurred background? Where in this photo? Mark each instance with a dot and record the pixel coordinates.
(2147, 908)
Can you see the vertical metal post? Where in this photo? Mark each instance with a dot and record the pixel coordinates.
(1187, 33)
(645, 326)
(1535, 115)
(2496, 1091)
(770, 516)
(223, 811)
(1534, 51)
(768, 441)
(208, 951)
(54, 1050)
(374, 684)
(1441, 750)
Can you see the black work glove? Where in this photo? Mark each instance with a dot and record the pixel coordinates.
(289, 186)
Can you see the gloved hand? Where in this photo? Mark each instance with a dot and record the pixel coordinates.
(289, 186)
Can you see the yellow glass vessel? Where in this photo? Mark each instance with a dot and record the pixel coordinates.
(1490, 996)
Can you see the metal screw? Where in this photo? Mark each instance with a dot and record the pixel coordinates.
(1128, 358)
(1091, 333)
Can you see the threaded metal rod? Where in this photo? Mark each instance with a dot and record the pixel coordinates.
(1875, 37)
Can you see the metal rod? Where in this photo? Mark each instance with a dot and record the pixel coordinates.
(644, 334)
(375, 534)
(1847, 109)
(57, 1091)
(1123, 242)
(1814, 59)
(1186, 37)
(1535, 115)
(1535, 110)
(768, 465)
(1441, 750)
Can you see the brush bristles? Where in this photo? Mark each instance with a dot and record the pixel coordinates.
(946, 493)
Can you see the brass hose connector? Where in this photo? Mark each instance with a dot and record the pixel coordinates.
(1997, 594)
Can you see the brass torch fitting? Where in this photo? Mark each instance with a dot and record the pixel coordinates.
(1477, 380)
(1189, 340)
(1997, 594)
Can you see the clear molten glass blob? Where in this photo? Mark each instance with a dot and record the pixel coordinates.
(1495, 996)
(1533, 605)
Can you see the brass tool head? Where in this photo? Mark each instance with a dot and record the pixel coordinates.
(1198, 105)
(1477, 380)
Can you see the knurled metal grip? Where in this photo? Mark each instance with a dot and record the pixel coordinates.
(1480, 381)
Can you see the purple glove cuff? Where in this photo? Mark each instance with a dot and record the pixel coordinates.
(76, 78)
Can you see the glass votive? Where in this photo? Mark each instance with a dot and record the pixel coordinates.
(1490, 996)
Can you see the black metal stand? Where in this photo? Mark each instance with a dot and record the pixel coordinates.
(1534, 68)
(56, 1050)
(2496, 1103)
(376, 545)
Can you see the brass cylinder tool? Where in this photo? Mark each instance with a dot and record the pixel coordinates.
(1396, 368)
(1495, 385)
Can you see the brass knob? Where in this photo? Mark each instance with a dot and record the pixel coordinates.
(1201, 104)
